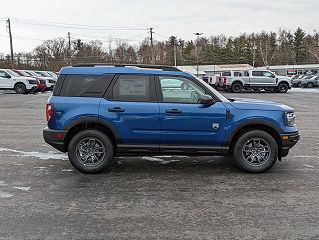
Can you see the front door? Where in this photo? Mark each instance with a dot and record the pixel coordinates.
(131, 107)
(5, 81)
(185, 123)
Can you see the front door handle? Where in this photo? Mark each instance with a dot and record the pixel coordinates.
(175, 110)
(116, 109)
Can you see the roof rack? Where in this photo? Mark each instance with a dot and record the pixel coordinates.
(162, 67)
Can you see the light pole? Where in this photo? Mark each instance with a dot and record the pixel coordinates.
(196, 52)
(254, 54)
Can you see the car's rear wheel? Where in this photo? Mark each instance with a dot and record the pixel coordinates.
(256, 151)
(237, 87)
(90, 151)
(283, 87)
(20, 88)
(310, 85)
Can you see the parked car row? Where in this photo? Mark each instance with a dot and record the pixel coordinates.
(306, 81)
(236, 81)
(26, 81)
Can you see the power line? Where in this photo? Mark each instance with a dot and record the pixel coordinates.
(75, 26)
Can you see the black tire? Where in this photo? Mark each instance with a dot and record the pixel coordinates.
(283, 87)
(241, 157)
(299, 84)
(101, 140)
(237, 87)
(310, 85)
(20, 88)
(220, 88)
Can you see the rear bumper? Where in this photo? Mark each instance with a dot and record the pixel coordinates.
(56, 138)
(288, 140)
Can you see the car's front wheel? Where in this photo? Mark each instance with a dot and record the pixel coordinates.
(256, 151)
(20, 88)
(283, 87)
(90, 151)
(237, 87)
(310, 85)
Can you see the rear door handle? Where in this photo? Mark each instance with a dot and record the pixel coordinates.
(173, 110)
(116, 109)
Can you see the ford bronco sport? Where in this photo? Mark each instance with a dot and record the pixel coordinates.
(100, 111)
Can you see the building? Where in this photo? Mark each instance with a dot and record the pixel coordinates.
(212, 70)
(281, 70)
(288, 70)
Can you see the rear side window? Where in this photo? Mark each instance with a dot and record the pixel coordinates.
(132, 88)
(237, 74)
(83, 85)
(258, 73)
(226, 74)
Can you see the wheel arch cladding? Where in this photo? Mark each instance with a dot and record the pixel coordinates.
(85, 124)
(237, 132)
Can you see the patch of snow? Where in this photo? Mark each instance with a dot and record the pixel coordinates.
(309, 166)
(5, 195)
(42, 156)
(3, 183)
(23, 188)
(306, 156)
(159, 160)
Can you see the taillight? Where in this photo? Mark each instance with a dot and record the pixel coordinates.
(49, 111)
(225, 80)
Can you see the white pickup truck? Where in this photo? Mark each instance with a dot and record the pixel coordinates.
(10, 80)
(236, 81)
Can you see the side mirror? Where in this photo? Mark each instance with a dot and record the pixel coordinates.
(206, 100)
(8, 76)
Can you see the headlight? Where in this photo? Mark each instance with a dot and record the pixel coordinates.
(290, 118)
(32, 81)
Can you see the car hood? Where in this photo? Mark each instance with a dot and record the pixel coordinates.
(25, 78)
(256, 104)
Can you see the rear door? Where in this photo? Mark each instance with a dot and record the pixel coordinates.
(187, 125)
(130, 106)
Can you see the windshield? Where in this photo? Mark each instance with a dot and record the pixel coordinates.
(216, 93)
(12, 73)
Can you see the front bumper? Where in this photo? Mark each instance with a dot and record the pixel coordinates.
(288, 140)
(56, 138)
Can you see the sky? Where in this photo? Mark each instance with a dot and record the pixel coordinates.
(33, 21)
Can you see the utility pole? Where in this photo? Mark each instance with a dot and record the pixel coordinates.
(11, 45)
(69, 49)
(254, 54)
(152, 50)
(196, 51)
(175, 64)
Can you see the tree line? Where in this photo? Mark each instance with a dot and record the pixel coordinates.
(258, 49)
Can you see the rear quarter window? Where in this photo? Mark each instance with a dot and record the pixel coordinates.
(82, 85)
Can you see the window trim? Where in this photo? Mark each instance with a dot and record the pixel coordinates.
(109, 92)
(159, 92)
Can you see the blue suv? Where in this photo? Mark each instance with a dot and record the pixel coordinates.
(100, 111)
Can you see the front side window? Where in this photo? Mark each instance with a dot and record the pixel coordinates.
(132, 88)
(268, 74)
(180, 90)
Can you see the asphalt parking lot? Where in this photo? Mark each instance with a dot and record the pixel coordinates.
(43, 197)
